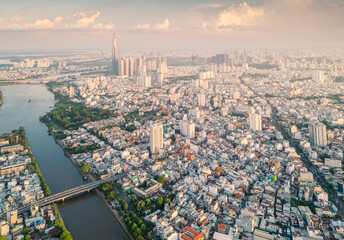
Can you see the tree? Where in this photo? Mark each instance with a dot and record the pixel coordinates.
(160, 200)
(86, 168)
(66, 235)
(27, 237)
(26, 230)
(58, 224)
(2, 238)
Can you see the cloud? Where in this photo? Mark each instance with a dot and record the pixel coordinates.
(239, 16)
(79, 20)
(44, 23)
(58, 19)
(159, 26)
(15, 19)
(0, 19)
(143, 26)
(164, 25)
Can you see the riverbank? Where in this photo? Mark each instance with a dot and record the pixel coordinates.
(19, 158)
(1, 98)
(98, 192)
(64, 234)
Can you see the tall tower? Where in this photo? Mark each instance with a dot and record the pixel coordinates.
(114, 56)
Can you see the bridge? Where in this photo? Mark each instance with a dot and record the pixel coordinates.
(66, 194)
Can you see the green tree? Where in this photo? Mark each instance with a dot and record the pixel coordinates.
(26, 230)
(2, 238)
(86, 168)
(27, 237)
(66, 235)
(58, 224)
(160, 200)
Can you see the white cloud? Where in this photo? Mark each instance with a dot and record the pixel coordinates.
(58, 19)
(85, 21)
(15, 19)
(164, 25)
(79, 20)
(239, 16)
(143, 26)
(104, 26)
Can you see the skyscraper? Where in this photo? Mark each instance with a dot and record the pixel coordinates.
(255, 122)
(114, 56)
(317, 131)
(156, 138)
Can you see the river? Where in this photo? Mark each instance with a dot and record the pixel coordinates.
(86, 216)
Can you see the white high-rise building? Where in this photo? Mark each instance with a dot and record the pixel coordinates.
(187, 128)
(156, 138)
(318, 76)
(317, 131)
(201, 100)
(255, 122)
(145, 82)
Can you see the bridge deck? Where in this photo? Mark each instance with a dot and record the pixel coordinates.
(66, 194)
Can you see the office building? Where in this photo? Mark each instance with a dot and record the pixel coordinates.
(255, 122)
(156, 138)
(317, 131)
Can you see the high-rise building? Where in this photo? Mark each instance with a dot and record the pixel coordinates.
(317, 131)
(131, 67)
(121, 68)
(318, 76)
(71, 92)
(12, 217)
(187, 128)
(4, 228)
(255, 122)
(126, 67)
(114, 56)
(156, 138)
(201, 100)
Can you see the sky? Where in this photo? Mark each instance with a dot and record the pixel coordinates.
(170, 24)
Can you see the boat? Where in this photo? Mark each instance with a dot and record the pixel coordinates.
(29, 100)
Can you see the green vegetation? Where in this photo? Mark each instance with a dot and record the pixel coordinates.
(19, 136)
(2, 238)
(69, 115)
(137, 227)
(339, 79)
(263, 66)
(82, 149)
(177, 79)
(296, 203)
(328, 125)
(300, 79)
(109, 191)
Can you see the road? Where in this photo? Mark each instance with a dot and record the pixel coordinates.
(313, 169)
